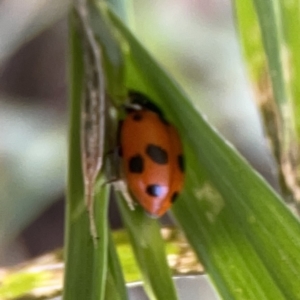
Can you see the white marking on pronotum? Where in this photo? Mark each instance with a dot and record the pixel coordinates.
(92, 112)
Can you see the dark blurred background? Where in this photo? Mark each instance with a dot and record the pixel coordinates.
(195, 40)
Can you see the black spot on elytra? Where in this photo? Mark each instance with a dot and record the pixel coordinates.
(154, 190)
(137, 116)
(174, 197)
(181, 162)
(157, 154)
(136, 164)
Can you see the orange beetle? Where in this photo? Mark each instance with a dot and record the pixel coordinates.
(152, 158)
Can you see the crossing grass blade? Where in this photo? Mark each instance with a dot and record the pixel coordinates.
(115, 287)
(148, 247)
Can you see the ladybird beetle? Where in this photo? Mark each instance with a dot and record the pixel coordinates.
(152, 158)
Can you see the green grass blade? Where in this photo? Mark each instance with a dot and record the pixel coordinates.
(85, 265)
(149, 251)
(290, 22)
(115, 288)
(269, 25)
(110, 48)
(259, 226)
(269, 17)
(279, 127)
(111, 292)
(271, 38)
